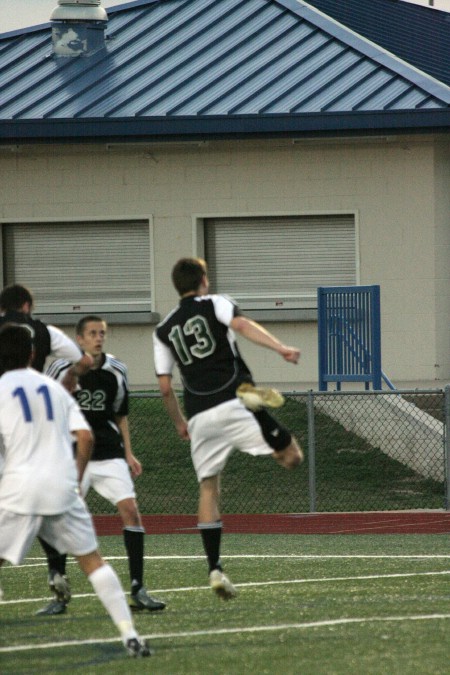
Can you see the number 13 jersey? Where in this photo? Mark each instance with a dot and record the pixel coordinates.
(197, 337)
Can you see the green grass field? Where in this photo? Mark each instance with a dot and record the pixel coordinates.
(319, 604)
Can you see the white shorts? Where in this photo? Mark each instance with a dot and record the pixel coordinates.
(216, 432)
(110, 478)
(70, 532)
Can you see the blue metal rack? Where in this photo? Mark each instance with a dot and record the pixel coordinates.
(350, 336)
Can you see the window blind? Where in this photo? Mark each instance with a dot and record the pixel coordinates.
(85, 265)
(280, 261)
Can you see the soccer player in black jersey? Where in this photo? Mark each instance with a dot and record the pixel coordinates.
(16, 306)
(198, 336)
(102, 395)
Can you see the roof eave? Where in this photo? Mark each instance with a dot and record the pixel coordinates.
(223, 126)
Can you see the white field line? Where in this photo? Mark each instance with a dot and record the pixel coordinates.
(253, 584)
(306, 556)
(230, 631)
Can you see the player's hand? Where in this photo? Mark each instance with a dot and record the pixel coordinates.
(81, 367)
(84, 365)
(290, 354)
(182, 431)
(135, 466)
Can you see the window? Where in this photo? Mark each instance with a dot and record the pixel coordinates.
(81, 267)
(278, 262)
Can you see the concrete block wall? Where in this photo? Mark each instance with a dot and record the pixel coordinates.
(393, 186)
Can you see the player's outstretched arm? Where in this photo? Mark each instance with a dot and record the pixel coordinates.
(256, 333)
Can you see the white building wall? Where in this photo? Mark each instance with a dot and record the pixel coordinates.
(442, 254)
(397, 188)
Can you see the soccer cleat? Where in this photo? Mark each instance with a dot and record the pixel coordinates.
(54, 607)
(255, 398)
(142, 600)
(137, 648)
(221, 585)
(59, 585)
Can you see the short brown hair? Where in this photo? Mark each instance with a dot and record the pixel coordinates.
(187, 274)
(14, 297)
(81, 325)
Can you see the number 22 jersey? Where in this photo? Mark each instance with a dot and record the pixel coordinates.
(102, 394)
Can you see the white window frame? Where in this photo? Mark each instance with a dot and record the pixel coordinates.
(65, 312)
(273, 307)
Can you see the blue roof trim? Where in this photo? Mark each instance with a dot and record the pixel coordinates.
(221, 126)
(213, 68)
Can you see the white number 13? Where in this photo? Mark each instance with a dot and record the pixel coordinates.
(204, 345)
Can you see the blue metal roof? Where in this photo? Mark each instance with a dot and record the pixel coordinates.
(415, 33)
(212, 68)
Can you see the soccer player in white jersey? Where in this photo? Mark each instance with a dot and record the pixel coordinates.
(198, 336)
(39, 493)
(102, 395)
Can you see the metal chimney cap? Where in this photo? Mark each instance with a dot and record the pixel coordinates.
(80, 2)
(79, 10)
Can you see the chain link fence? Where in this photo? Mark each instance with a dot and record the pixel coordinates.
(364, 451)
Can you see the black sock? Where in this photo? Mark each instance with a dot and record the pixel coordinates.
(134, 544)
(211, 534)
(55, 561)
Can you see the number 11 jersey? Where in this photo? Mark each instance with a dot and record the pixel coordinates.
(36, 418)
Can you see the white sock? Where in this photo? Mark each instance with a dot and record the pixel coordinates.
(107, 586)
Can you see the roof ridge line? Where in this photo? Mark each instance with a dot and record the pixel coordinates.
(371, 49)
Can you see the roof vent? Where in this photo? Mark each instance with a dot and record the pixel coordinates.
(78, 27)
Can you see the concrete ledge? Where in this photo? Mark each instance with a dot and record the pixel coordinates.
(398, 428)
(112, 318)
(281, 315)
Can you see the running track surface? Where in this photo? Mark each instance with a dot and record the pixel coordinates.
(370, 522)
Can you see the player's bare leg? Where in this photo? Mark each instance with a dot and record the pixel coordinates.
(107, 586)
(210, 527)
(291, 456)
(128, 511)
(208, 503)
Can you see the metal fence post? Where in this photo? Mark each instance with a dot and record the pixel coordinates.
(447, 446)
(311, 452)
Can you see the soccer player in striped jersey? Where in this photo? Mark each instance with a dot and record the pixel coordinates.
(102, 395)
(198, 336)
